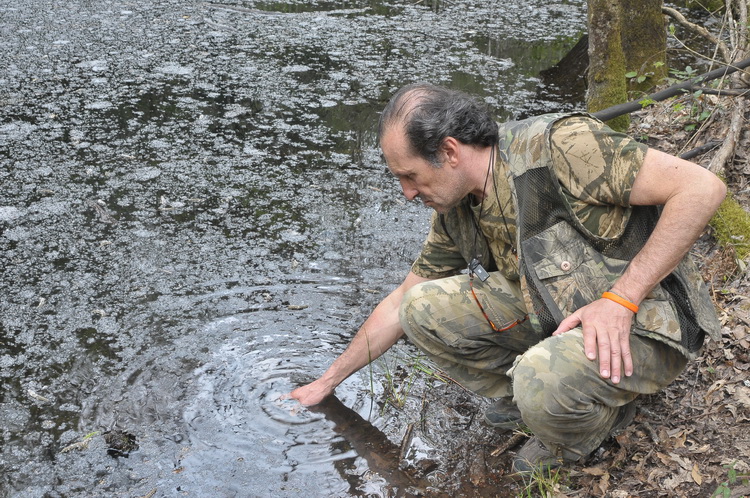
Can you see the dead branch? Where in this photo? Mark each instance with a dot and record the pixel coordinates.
(726, 151)
(723, 93)
(701, 150)
(699, 30)
(678, 89)
(736, 15)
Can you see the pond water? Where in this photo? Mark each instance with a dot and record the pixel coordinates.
(195, 218)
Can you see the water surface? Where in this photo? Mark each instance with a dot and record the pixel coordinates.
(194, 219)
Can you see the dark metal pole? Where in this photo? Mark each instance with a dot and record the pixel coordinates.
(628, 107)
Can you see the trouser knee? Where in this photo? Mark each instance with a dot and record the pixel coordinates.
(567, 403)
(441, 318)
(562, 398)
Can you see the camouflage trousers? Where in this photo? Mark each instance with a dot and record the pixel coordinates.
(561, 396)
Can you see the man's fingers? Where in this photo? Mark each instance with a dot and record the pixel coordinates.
(606, 335)
(568, 323)
(589, 342)
(627, 357)
(604, 355)
(615, 362)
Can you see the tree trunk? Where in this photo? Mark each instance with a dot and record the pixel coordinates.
(606, 75)
(644, 43)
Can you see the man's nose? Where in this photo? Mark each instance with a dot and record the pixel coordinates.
(409, 191)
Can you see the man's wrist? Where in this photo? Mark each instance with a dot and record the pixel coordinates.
(328, 383)
(634, 294)
(621, 301)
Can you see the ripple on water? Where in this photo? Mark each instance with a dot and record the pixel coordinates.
(238, 413)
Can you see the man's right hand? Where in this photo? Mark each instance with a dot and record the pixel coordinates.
(364, 348)
(310, 394)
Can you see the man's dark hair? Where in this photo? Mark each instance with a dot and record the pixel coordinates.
(431, 113)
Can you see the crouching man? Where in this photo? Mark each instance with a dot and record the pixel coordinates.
(554, 278)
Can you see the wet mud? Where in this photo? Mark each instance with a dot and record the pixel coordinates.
(195, 218)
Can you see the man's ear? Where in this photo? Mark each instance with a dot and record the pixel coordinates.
(450, 151)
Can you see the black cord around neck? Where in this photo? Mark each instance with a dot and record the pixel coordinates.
(476, 221)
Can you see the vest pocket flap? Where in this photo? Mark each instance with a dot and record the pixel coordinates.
(556, 266)
(565, 271)
(558, 252)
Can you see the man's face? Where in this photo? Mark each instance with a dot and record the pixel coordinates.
(439, 188)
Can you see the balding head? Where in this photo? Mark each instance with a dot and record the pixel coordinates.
(429, 114)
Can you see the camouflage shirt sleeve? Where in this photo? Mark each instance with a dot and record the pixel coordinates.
(440, 257)
(595, 163)
(596, 167)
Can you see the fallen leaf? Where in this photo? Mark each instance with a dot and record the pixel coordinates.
(702, 449)
(679, 440)
(739, 332)
(602, 486)
(656, 474)
(671, 483)
(604, 483)
(594, 471)
(741, 491)
(681, 461)
(697, 475)
(732, 409)
(665, 459)
(742, 394)
(623, 439)
(676, 432)
(716, 385)
(620, 457)
(38, 397)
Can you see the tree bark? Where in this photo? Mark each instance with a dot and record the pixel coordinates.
(644, 43)
(606, 75)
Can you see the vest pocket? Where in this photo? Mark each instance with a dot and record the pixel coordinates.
(657, 315)
(570, 274)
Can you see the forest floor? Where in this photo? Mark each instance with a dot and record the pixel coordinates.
(691, 439)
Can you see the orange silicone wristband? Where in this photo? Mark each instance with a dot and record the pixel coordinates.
(623, 302)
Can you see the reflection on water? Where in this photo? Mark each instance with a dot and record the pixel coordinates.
(195, 218)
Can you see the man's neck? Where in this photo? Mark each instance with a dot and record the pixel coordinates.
(480, 167)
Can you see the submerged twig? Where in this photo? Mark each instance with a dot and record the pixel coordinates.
(406, 442)
(510, 443)
(101, 211)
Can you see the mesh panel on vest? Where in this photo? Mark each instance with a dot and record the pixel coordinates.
(692, 335)
(541, 206)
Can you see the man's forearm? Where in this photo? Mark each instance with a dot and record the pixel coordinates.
(683, 219)
(379, 332)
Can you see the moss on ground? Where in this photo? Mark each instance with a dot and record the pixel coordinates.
(731, 225)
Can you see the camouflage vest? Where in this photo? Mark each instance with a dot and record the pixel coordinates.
(564, 266)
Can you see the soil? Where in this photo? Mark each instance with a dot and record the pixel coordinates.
(693, 438)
